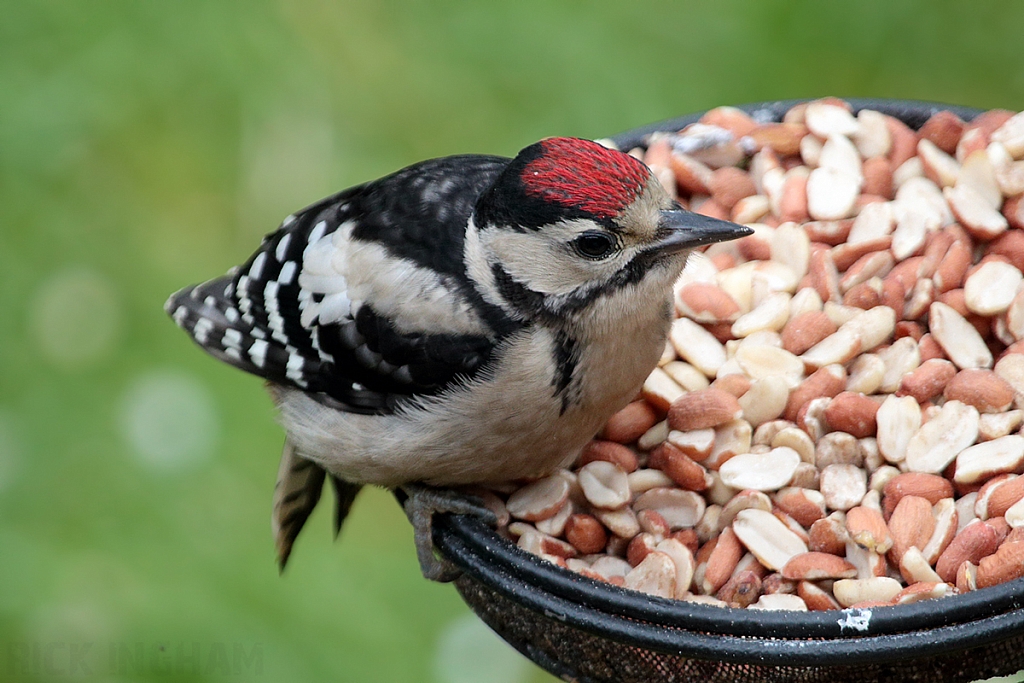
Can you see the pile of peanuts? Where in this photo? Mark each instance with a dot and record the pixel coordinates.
(834, 422)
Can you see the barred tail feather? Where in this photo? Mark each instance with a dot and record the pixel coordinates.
(296, 493)
(345, 493)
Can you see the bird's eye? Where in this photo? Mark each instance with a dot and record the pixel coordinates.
(594, 245)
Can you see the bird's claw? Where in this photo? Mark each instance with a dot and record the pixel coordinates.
(420, 506)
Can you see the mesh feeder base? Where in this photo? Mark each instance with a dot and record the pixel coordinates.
(575, 655)
(590, 632)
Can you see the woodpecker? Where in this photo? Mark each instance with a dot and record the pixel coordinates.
(465, 320)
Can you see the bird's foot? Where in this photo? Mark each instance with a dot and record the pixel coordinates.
(421, 504)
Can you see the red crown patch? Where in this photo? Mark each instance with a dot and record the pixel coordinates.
(583, 174)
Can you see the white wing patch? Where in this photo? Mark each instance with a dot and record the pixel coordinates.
(335, 307)
(346, 271)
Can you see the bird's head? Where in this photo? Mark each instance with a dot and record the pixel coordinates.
(570, 222)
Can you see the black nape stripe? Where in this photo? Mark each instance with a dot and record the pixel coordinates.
(518, 295)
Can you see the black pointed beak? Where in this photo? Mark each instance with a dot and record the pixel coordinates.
(685, 230)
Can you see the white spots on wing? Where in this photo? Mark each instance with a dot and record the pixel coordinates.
(274, 319)
(231, 313)
(256, 269)
(293, 370)
(319, 276)
(233, 353)
(468, 652)
(244, 302)
(287, 273)
(202, 329)
(179, 315)
(288, 220)
(304, 298)
(258, 352)
(317, 232)
(282, 246)
(169, 420)
(232, 339)
(75, 317)
(437, 194)
(314, 337)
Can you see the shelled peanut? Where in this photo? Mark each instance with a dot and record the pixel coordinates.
(836, 419)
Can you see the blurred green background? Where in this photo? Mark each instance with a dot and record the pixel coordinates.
(148, 145)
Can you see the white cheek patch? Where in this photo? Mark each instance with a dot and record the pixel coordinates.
(543, 262)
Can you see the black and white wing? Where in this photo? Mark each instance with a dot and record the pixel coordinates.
(362, 297)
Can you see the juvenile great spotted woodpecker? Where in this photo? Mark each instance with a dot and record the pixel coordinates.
(465, 320)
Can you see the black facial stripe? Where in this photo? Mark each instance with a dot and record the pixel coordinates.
(552, 307)
(630, 274)
(517, 295)
(493, 316)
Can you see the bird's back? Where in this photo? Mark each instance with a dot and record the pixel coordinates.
(296, 312)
